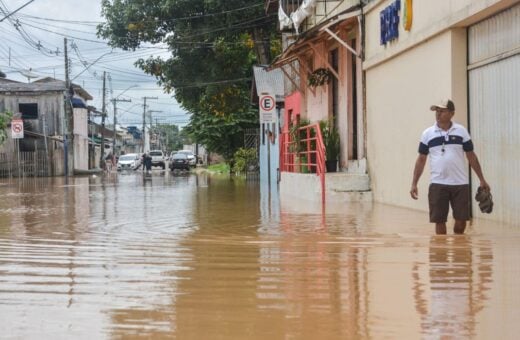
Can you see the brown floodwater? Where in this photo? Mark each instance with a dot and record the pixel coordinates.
(198, 257)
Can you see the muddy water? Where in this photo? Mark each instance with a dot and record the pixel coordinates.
(202, 257)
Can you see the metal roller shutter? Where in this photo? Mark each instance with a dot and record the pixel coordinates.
(494, 106)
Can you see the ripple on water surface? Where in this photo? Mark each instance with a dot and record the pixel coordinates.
(199, 257)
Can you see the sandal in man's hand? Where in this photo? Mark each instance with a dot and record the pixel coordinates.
(485, 199)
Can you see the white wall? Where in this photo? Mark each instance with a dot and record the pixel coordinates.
(80, 121)
(399, 94)
(430, 18)
(404, 78)
(80, 152)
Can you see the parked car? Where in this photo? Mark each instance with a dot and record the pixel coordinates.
(129, 161)
(191, 157)
(158, 158)
(179, 161)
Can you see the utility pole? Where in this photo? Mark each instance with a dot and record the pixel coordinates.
(89, 135)
(151, 124)
(115, 101)
(144, 118)
(103, 116)
(68, 144)
(159, 134)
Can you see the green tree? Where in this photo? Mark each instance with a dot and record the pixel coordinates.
(213, 45)
(5, 119)
(171, 136)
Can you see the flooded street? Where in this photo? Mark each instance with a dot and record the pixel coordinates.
(199, 257)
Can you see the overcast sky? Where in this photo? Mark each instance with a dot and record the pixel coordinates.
(37, 45)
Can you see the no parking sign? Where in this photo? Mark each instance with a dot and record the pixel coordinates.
(267, 108)
(17, 128)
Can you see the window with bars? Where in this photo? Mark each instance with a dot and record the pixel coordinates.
(28, 110)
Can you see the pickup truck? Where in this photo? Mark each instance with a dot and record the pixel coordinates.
(158, 158)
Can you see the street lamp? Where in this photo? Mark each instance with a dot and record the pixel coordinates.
(114, 101)
(128, 88)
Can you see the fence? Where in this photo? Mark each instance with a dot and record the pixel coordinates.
(32, 163)
(303, 151)
(252, 141)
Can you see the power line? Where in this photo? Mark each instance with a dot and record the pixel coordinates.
(16, 10)
(105, 64)
(75, 22)
(25, 36)
(169, 20)
(236, 25)
(67, 35)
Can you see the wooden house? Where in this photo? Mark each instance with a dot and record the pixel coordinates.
(42, 108)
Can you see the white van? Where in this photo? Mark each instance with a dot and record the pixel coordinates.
(158, 158)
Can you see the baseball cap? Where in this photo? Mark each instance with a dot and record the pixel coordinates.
(444, 104)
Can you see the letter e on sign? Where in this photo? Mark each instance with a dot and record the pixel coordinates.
(267, 108)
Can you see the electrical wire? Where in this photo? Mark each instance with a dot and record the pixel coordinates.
(169, 20)
(117, 57)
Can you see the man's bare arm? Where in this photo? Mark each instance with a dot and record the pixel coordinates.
(417, 172)
(475, 165)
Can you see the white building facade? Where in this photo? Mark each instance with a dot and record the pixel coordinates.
(467, 50)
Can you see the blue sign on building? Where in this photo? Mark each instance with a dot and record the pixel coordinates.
(389, 19)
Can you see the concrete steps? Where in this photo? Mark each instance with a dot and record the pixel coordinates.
(339, 187)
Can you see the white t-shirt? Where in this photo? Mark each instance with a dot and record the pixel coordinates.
(446, 150)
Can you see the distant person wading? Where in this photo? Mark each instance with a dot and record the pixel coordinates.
(446, 142)
(147, 162)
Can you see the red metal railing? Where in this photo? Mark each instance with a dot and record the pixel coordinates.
(304, 151)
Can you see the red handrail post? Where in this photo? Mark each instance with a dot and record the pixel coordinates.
(287, 156)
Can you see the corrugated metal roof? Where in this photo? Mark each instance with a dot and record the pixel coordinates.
(269, 81)
(42, 86)
(5, 80)
(30, 87)
(78, 89)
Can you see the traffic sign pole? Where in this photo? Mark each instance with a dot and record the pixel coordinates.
(268, 116)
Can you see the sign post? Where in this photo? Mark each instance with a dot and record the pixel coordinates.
(268, 116)
(17, 133)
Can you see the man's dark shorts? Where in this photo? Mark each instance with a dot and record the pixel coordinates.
(440, 196)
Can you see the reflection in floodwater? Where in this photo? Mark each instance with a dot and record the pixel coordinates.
(460, 275)
(198, 257)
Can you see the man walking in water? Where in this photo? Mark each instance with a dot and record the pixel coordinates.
(446, 142)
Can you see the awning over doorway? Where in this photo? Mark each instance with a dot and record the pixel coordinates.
(325, 30)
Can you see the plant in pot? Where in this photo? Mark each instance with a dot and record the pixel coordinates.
(319, 77)
(331, 140)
